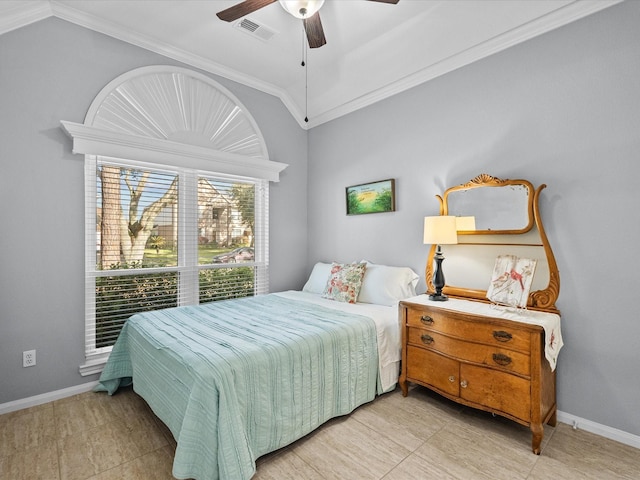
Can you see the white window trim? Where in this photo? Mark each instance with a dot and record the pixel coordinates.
(95, 358)
(125, 121)
(94, 141)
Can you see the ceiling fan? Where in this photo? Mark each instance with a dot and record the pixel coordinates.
(307, 10)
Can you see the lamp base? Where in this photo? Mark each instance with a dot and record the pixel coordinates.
(438, 297)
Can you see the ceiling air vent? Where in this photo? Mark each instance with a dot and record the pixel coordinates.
(255, 29)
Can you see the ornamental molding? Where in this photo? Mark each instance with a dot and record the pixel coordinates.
(172, 115)
(26, 13)
(93, 141)
(485, 179)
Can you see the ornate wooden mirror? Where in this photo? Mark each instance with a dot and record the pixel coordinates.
(497, 206)
(507, 222)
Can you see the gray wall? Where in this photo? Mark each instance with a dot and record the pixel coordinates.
(562, 109)
(51, 71)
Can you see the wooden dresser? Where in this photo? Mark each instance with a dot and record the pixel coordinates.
(481, 361)
(454, 341)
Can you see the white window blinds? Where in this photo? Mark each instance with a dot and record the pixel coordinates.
(160, 237)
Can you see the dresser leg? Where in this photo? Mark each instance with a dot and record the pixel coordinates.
(536, 440)
(404, 386)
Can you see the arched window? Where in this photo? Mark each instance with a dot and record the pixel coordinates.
(176, 182)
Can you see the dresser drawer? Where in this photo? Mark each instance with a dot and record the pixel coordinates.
(452, 323)
(432, 369)
(484, 361)
(497, 390)
(507, 360)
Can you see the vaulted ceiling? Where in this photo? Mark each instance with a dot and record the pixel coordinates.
(373, 49)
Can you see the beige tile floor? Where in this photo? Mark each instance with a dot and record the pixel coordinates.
(94, 436)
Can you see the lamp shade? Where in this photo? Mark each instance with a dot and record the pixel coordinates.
(301, 8)
(440, 230)
(465, 224)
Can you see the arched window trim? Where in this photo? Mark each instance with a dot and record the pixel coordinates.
(155, 114)
(92, 141)
(164, 115)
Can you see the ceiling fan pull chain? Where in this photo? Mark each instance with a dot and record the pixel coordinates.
(305, 61)
(303, 49)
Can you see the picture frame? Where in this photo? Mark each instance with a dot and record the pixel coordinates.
(372, 197)
(511, 281)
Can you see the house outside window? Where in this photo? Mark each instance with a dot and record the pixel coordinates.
(176, 199)
(159, 247)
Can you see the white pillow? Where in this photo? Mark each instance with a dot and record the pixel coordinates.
(318, 278)
(384, 285)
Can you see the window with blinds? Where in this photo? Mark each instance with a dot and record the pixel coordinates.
(159, 237)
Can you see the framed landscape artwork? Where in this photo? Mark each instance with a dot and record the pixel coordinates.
(375, 197)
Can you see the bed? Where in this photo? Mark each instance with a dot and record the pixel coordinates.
(236, 379)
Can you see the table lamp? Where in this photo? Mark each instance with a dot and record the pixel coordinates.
(440, 230)
(465, 224)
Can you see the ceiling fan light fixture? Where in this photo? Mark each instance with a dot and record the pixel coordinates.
(301, 8)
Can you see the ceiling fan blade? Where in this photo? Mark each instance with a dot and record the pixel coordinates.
(385, 1)
(243, 8)
(315, 33)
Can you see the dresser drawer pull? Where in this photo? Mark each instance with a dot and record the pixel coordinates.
(464, 384)
(452, 378)
(502, 336)
(426, 339)
(426, 319)
(501, 359)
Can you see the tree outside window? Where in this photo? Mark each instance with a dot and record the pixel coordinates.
(147, 245)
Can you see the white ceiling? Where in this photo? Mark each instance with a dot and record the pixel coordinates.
(373, 49)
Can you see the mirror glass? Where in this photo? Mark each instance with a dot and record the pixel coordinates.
(497, 206)
(507, 222)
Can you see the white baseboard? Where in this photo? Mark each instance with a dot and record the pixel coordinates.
(599, 429)
(45, 397)
(577, 422)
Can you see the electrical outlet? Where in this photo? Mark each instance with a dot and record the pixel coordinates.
(29, 358)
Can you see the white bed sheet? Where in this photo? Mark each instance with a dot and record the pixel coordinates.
(387, 329)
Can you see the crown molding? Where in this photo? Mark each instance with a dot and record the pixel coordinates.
(558, 18)
(32, 12)
(24, 14)
(111, 29)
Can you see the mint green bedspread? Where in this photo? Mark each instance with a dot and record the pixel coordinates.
(236, 379)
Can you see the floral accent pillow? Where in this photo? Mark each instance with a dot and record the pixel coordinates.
(344, 282)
